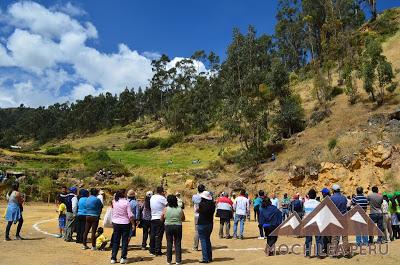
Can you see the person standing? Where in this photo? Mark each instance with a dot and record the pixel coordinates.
(309, 206)
(241, 207)
(180, 201)
(71, 202)
(387, 220)
(14, 212)
(394, 210)
(285, 206)
(122, 219)
(257, 205)
(81, 215)
(206, 211)
(196, 199)
(362, 201)
(145, 220)
(173, 216)
(254, 207)
(270, 219)
(93, 212)
(158, 202)
(296, 205)
(225, 213)
(275, 201)
(375, 211)
(135, 211)
(341, 203)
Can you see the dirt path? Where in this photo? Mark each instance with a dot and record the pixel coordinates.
(42, 248)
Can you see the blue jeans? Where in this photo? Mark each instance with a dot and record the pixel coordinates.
(204, 236)
(238, 218)
(318, 243)
(120, 231)
(377, 218)
(361, 240)
(285, 214)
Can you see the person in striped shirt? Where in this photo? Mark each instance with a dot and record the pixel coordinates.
(361, 200)
(309, 206)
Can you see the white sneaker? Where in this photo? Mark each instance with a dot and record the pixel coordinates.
(113, 261)
(260, 237)
(94, 248)
(85, 247)
(123, 261)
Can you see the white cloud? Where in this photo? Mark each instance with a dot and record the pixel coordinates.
(45, 58)
(69, 9)
(82, 90)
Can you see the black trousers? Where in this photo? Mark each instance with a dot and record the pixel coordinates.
(146, 226)
(19, 227)
(156, 236)
(121, 231)
(92, 222)
(271, 240)
(174, 237)
(80, 228)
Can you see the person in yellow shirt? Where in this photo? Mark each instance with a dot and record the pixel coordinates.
(62, 208)
(101, 239)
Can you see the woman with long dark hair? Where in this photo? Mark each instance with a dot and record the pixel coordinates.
(14, 211)
(145, 219)
(122, 219)
(93, 212)
(270, 218)
(173, 216)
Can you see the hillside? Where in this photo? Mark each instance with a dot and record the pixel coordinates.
(356, 145)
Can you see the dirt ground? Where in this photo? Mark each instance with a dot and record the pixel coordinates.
(41, 248)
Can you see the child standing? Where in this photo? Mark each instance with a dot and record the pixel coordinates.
(62, 208)
(101, 239)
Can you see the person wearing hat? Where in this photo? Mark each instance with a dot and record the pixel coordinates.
(180, 201)
(225, 214)
(205, 225)
(325, 193)
(71, 202)
(340, 202)
(145, 219)
(135, 211)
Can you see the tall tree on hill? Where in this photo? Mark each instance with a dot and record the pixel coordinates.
(377, 72)
(290, 34)
(244, 111)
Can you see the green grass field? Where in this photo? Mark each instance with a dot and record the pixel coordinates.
(156, 160)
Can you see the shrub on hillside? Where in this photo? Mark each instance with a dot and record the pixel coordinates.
(170, 141)
(142, 144)
(58, 150)
(332, 144)
(139, 181)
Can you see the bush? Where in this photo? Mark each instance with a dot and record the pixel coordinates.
(139, 181)
(170, 141)
(332, 143)
(58, 150)
(336, 91)
(142, 144)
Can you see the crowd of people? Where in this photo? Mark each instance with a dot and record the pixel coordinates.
(158, 214)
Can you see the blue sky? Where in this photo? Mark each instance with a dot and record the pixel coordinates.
(63, 50)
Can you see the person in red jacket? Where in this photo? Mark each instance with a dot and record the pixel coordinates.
(225, 214)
